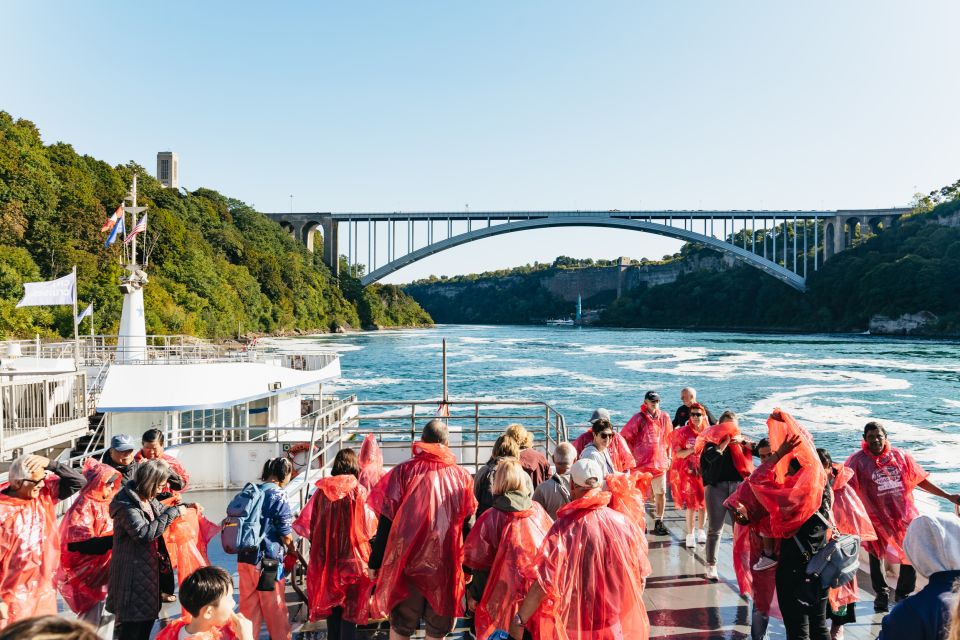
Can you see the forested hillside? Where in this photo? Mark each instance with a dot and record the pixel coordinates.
(216, 266)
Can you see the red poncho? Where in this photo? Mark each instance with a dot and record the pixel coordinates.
(686, 483)
(339, 527)
(627, 491)
(29, 552)
(371, 462)
(172, 632)
(790, 500)
(82, 578)
(850, 517)
(504, 544)
(590, 568)
(741, 454)
(747, 547)
(885, 484)
(175, 465)
(427, 498)
(186, 540)
(619, 450)
(647, 437)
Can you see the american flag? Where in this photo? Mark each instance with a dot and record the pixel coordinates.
(140, 227)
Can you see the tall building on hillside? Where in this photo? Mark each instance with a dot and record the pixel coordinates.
(168, 169)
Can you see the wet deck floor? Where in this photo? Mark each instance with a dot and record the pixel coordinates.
(681, 603)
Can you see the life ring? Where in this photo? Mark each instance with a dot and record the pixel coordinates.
(293, 454)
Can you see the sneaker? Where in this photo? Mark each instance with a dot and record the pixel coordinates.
(659, 529)
(764, 563)
(711, 573)
(882, 603)
(701, 536)
(691, 541)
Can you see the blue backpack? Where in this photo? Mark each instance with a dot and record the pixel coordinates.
(242, 528)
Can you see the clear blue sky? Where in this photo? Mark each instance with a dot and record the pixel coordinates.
(366, 106)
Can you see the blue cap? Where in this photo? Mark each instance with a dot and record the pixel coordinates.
(123, 442)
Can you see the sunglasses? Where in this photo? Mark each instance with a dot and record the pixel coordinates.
(606, 435)
(696, 415)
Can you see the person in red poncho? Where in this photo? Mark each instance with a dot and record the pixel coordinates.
(587, 582)
(338, 526)
(207, 595)
(884, 478)
(424, 506)
(501, 546)
(686, 485)
(29, 538)
(534, 462)
(86, 543)
(371, 462)
(647, 432)
(619, 448)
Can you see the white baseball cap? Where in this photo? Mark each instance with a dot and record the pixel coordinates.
(587, 473)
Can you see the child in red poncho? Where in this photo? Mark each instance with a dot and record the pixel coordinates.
(207, 595)
(686, 482)
(339, 527)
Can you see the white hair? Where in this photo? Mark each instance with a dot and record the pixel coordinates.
(565, 453)
(690, 390)
(18, 470)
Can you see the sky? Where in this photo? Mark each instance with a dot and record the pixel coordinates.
(365, 106)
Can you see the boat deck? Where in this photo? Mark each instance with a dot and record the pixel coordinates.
(681, 603)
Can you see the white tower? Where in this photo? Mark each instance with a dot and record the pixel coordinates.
(132, 337)
(168, 169)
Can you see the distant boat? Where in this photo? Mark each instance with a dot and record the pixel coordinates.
(567, 322)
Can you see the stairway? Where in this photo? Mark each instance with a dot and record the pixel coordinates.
(93, 439)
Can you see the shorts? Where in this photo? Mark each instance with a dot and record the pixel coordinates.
(658, 485)
(405, 617)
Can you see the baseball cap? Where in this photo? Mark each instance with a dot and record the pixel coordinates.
(652, 396)
(123, 442)
(600, 414)
(586, 473)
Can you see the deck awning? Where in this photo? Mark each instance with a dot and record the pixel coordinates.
(182, 387)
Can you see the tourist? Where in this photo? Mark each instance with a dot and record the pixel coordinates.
(207, 595)
(86, 545)
(122, 456)
(599, 449)
(424, 506)
(932, 545)
(850, 517)
(151, 448)
(688, 398)
(647, 433)
(588, 571)
(139, 520)
(555, 492)
(792, 487)
(627, 491)
(30, 537)
(504, 447)
(339, 527)
(371, 462)
(619, 448)
(48, 627)
(501, 546)
(263, 597)
(884, 478)
(686, 485)
(534, 462)
(725, 460)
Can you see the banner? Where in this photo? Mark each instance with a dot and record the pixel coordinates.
(60, 291)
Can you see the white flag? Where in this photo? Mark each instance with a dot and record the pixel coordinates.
(85, 313)
(60, 291)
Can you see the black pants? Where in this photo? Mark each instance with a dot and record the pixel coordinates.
(338, 628)
(906, 583)
(801, 623)
(135, 630)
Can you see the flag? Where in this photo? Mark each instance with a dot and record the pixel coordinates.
(140, 227)
(116, 231)
(112, 220)
(86, 312)
(60, 291)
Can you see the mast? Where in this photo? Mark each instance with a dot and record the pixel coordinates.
(132, 336)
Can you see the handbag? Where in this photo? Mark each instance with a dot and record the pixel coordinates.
(836, 564)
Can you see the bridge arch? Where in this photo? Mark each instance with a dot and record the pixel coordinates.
(311, 230)
(777, 271)
(286, 226)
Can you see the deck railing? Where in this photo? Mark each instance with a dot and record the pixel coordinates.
(32, 409)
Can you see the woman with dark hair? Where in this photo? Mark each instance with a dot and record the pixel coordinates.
(139, 521)
(599, 449)
(262, 595)
(339, 526)
(686, 483)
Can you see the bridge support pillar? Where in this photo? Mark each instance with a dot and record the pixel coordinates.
(331, 244)
(839, 234)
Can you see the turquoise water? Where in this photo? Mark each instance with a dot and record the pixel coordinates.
(832, 384)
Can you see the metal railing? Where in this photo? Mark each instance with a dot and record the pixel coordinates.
(31, 409)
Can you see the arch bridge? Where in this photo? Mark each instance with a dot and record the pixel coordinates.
(782, 243)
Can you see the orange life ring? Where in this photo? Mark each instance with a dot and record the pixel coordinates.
(293, 452)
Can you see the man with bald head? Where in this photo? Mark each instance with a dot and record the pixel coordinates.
(688, 398)
(555, 492)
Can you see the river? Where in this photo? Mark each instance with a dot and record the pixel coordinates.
(832, 384)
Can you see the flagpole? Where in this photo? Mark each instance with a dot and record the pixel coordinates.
(76, 331)
(133, 242)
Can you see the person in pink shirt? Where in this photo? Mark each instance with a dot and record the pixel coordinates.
(647, 433)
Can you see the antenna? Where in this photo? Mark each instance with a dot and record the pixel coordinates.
(291, 203)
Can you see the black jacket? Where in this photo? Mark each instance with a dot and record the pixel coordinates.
(716, 467)
(134, 589)
(682, 416)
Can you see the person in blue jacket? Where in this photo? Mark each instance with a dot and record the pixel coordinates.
(262, 596)
(932, 544)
